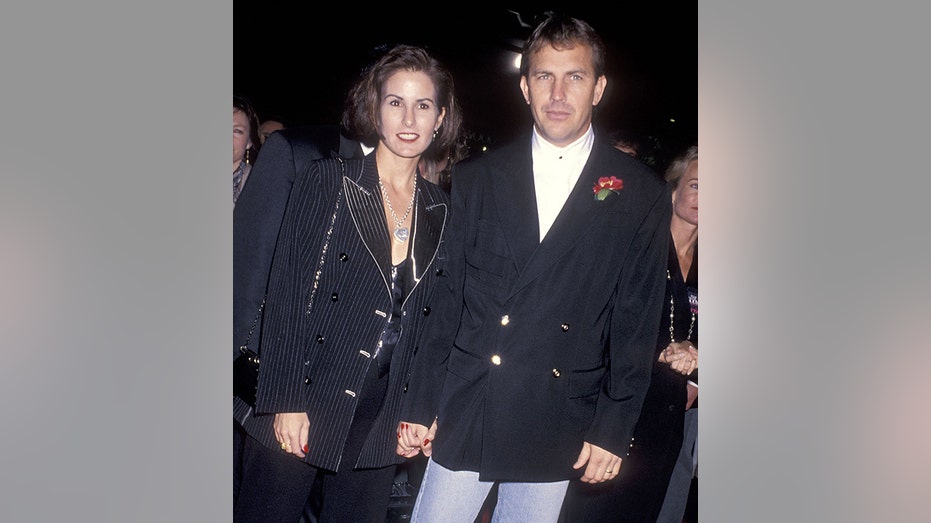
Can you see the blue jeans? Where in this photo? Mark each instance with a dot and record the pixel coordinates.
(451, 496)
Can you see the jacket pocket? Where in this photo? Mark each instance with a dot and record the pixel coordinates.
(465, 365)
(585, 383)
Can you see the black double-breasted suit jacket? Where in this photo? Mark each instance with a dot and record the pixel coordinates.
(545, 345)
(329, 300)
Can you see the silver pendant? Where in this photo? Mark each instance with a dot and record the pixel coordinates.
(402, 233)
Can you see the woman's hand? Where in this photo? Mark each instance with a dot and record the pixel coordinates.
(291, 431)
(414, 438)
(682, 357)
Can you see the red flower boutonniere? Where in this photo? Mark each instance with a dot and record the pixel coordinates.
(606, 186)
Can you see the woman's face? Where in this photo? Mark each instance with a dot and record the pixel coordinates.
(685, 197)
(241, 132)
(408, 114)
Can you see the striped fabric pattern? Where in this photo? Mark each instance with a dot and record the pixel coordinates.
(315, 360)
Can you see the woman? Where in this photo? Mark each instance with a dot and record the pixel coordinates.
(360, 252)
(245, 142)
(683, 175)
(638, 493)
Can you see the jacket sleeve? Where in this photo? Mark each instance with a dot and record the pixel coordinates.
(429, 370)
(256, 221)
(634, 325)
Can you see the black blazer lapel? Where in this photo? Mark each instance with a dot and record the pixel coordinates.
(516, 201)
(429, 223)
(579, 213)
(368, 215)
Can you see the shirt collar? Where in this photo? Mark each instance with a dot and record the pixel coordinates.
(580, 147)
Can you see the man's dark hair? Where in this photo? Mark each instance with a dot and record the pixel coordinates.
(563, 32)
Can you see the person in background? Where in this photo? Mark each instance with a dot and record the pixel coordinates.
(270, 125)
(246, 142)
(637, 495)
(537, 371)
(626, 141)
(683, 175)
(439, 169)
(360, 252)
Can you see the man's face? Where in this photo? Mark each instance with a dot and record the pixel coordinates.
(562, 90)
(268, 127)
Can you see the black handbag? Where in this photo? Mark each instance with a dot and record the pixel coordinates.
(246, 368)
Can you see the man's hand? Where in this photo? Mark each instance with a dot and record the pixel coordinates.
(602, 465)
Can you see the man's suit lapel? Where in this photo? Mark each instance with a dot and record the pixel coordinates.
(516, 202)
(580, 213)
(349, 148)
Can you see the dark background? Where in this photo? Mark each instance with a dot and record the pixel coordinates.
(298, 65)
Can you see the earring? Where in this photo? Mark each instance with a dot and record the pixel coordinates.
(435, 131)
(247, 155)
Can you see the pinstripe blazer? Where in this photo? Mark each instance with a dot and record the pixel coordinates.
(259, 211)
(329, 300)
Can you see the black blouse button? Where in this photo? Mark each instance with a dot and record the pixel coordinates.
(319, 338)
(343, 256)
(564, 327)
(306, 380)
(426, 311)
(335, 297)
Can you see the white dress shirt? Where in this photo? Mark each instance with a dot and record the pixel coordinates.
(555, 172)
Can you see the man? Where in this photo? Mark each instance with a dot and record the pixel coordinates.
(268, 126)
(557, 248)
(626, 141)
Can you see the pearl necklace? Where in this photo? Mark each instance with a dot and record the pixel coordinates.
(672, 315)
(401, 233)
